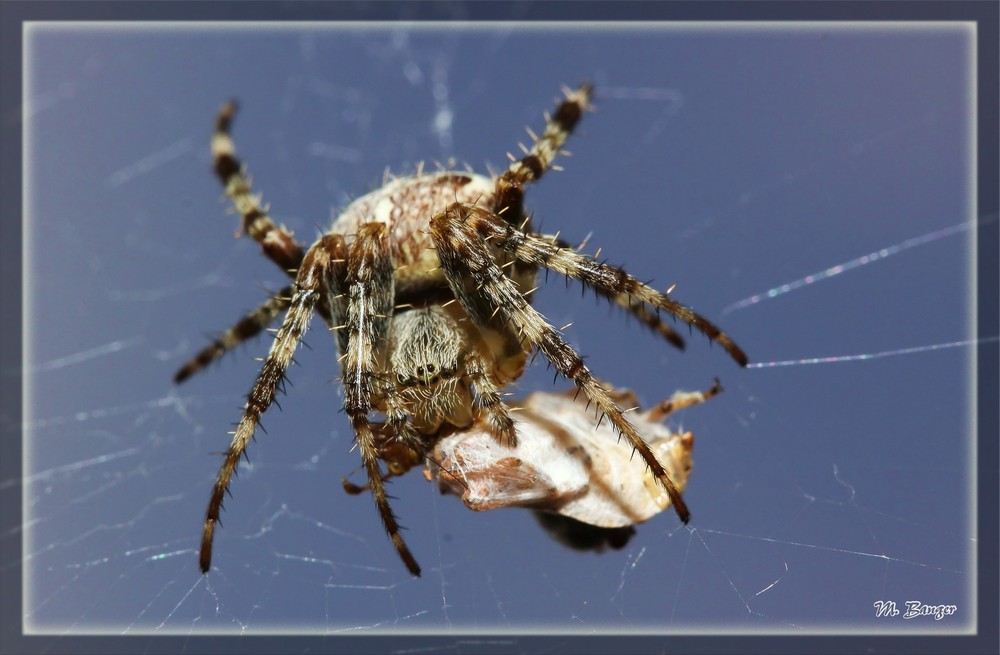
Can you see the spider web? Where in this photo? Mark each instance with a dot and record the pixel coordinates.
(731, 162)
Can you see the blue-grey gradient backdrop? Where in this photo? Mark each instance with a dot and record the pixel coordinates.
(728, 160)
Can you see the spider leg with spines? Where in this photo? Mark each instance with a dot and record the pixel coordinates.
(538, 250)
(307, 291)
(509, 199)
(370, 303)
(338, 298)
(490, 399)
(651, 319)
(277, 243)
(244, 329)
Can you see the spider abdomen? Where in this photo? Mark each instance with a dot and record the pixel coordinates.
(406, 205)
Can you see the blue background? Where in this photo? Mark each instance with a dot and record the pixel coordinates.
(729, 161)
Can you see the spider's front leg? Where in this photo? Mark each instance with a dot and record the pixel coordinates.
(308, 285)
(370, 298)
(490, 399)
(464, 254)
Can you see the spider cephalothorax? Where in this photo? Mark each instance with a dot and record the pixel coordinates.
(427, 283)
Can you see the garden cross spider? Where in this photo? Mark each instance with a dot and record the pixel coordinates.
(427, 283)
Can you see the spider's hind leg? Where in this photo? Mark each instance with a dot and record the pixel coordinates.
(681, 400)
(277, 242)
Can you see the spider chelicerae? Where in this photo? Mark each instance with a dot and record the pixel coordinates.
(427, 284)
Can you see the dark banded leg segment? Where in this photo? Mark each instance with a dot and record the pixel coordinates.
(370, 301)
(277, 242)
(509, 200)
(338, 299)
(614, 281)
(246, 328)
(337, 295)
(307, 291)
(650, 319)
(463, 255)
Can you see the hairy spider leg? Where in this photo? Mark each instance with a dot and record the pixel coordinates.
(246, 328)
(390, 451)
(567, 261)
(651, 319)
(509, 199)
(490, 399)
(277, 243)
(338, 298)
(681, 400)
(308, 287)
(370, 291)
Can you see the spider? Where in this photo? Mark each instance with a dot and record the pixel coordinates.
(427, 283)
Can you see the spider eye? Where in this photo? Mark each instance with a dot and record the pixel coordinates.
(428, 375)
